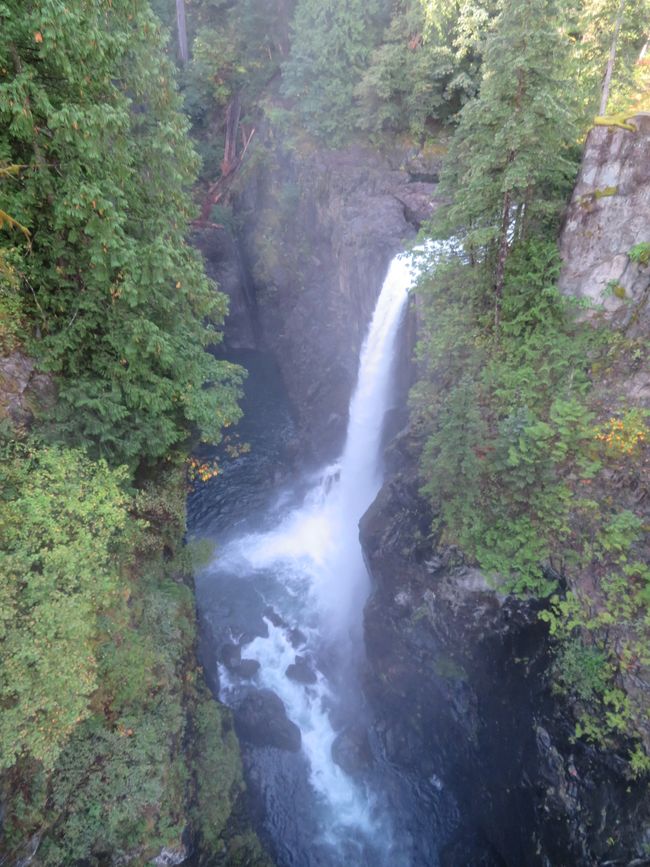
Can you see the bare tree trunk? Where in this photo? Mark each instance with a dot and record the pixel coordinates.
(229, 164)
(183, 52)
(233, 113)
(607, 82)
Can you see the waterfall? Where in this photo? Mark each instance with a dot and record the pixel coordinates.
(347, 585)
(309, 569)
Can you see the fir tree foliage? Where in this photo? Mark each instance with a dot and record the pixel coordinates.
(411, 77)
(121, 309)
(463, 24)
(426, 66)
(63, 531)
(330, 48)
(511, 160)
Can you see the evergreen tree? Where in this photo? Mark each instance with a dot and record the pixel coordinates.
(610, 36)
(510, 159)
(121, 308)
(412, 77)
(237, 52)
(63, 525)
(331, 44)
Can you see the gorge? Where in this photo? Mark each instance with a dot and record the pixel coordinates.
(485, 750)
(324, 433)
(309, 584)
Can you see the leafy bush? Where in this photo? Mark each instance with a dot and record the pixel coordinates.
(582, 671)
(64, 533)
(640, 253)
(218, 770)
(107, 788)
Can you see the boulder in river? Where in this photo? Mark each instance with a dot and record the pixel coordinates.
(248, 668)
(301, 671)
(351, 750)
(230, 655)
(261, 720)
(297, 637)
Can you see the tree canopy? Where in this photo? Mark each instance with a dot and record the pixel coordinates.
(63, 523)
(115, 302)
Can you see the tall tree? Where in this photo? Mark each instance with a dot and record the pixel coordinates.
(510, 153)
(122, 306)
(609, 38)
(331, 44)
(607, 81)
(414, 76)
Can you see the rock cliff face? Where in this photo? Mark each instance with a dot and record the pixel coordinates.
(458, 681)
(225, 264)
(22, 388)
(608, 216)
(319, 230)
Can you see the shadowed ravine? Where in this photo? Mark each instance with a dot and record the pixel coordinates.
(286, 592)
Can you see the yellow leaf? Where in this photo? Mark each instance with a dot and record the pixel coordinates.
(13, 169)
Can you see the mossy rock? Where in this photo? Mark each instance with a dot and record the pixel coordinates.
(605, 192)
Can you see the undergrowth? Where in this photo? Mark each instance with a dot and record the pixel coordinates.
(537, 471)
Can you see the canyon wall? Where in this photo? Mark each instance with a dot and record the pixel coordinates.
(318, 232)
(458, 680)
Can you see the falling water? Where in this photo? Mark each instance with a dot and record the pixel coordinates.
(310, 571)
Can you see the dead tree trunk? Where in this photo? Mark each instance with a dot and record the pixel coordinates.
(181, 28)
(607, 81)
(230, 163)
